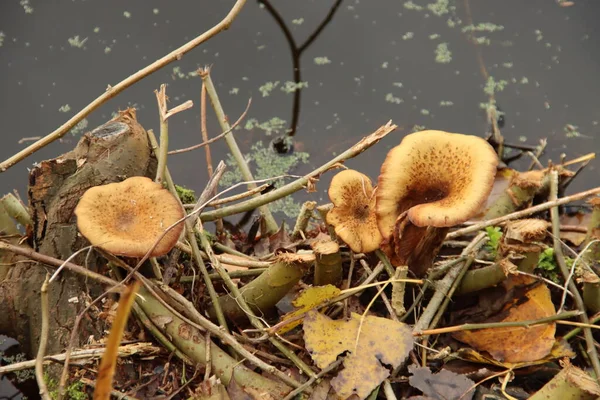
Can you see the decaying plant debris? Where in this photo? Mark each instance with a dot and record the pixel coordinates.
(505, 304)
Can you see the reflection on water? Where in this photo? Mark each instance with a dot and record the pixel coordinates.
(357, 64)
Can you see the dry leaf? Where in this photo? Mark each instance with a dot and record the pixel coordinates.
(560, 350)
(518, 344)
(375, 341)
(442, 385)
(307, 300)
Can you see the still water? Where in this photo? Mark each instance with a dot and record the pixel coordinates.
(422, 63)
(360, 64)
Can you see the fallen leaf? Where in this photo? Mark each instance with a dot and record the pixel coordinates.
(370, 341)
(441, 385)
(560, 349)
(307, 300)
(518, 344)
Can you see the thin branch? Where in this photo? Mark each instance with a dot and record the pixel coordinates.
(233, 147)
(39, 360)
(300, 183)
(523, 213)
(112, 91)
(560, 259)
(209, 141)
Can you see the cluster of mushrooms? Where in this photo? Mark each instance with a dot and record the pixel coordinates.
(431, 181)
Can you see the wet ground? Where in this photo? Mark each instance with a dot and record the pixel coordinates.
(360, 64)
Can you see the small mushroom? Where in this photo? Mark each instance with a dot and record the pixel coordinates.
(353, 213)
(128, 217)
(431, 181)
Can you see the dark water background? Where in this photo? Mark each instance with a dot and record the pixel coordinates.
(373, 61)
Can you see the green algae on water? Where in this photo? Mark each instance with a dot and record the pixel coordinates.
(267, 88)
(443, 54)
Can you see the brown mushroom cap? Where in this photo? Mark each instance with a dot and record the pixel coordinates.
(353, 214)
(442, 179)
(128, 217)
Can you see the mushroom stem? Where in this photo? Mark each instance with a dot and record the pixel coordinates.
(328, 264)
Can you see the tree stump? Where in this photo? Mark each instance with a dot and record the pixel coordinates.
(110, 153)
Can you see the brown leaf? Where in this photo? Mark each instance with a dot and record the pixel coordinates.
(518, 344)
(370, 341)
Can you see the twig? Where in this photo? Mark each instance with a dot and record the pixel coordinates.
(519, 214)
(490, 325)
(189, 233)
(207, 141)
(55, 262)
(233, 147)
(112, 91)
(39, 360)
(443, 287)
(313, 379)
(560, 259)
(304, 216)
(300, 183)
(233, 198)
(165, 114)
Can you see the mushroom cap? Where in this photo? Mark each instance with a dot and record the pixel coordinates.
(441, 179)
(353, 214)
(128, 217)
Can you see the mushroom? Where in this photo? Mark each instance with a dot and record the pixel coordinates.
(431, 181)
(353, 213)
(128, 217)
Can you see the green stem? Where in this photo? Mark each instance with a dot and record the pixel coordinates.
(234, 149)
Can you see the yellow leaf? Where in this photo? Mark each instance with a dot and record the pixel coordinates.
(307, 300)
(370, 343)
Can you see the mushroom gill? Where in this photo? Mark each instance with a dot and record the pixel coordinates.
(353, 213)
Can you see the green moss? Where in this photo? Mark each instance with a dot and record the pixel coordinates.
(409, 5)
(548, 267)
(439, 8)
(321, 60)
(187, 196)
(274, 125)
(390, 98)
(483, 27)
(443, 54)
(291, 87)
(492, 86)
(75, 391)
(267, 88)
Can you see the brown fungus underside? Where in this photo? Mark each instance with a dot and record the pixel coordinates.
(430, 182)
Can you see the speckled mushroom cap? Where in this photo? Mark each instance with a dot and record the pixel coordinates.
(441, 179)
(353, 213)
(127, 218)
